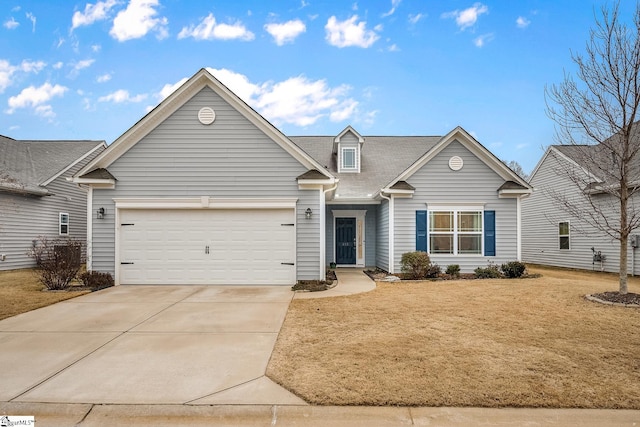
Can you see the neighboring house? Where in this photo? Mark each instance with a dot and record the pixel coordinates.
(203, 190)
(552, 235)
(36, 197)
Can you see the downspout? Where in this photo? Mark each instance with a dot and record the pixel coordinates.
(323, 231)
(391, 231)
(89, 247)
(519, 228)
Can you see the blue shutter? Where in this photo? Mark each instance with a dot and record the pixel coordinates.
(421, 231)
(490, 233)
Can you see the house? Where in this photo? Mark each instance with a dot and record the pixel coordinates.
(203, 190)
(557, 236)
(36, 198)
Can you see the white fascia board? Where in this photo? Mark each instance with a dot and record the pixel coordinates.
(397, 191)
(95, 182)
(354, 202)
(78, 160)
(557, 152)
(513, 193)
(205, 202)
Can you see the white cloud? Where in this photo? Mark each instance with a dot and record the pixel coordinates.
(349, 33)
(209, 29)
(103, 78)
(92, 13)
(96, 48)
(480, 41)
(413, 19)
(393, 48)
(468, 17)
(11, 24)
(57, 65)
(121, 96)
(7, 71)
(394, 6)
(286, 32)
(37, 98)
(137, 20)
(32, 66)
(298, 100)
(522, 22)
(32, 18)
(85, 63)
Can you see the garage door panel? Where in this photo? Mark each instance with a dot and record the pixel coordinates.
(244, 246)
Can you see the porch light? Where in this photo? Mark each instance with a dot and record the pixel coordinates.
(100, 213)
(308, 213)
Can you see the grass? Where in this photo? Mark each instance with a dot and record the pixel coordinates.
(20, 291)
(488, 343)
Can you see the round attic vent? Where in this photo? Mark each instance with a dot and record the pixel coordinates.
(206, 115)
(455, 163)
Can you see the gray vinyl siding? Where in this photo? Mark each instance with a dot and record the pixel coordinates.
(474, 183)
(26, 218)
(370, 238)
(229, 159)
(540, 218)
(382, 241)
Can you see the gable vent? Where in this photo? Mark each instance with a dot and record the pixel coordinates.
(206, 115)
(455, 163)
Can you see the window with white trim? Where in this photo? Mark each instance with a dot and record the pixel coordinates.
(349, 158)
(563, 235)
(455, 232)
(63, 224)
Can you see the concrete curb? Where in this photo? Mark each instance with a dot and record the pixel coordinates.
(616, 304)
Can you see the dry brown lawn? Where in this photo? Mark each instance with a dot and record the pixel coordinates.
(20, 292)
(491, 343)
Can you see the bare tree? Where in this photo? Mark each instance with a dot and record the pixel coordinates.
(517, 168)
(596, 114)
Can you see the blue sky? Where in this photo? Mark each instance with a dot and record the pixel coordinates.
(78, 70)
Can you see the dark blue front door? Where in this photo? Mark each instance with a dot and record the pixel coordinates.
(345, 241)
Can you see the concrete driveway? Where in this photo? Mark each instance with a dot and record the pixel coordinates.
(147, 345)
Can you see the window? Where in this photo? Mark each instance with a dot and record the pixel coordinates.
(64, 224)
(563, 235)
(455, 232)
(349, 158)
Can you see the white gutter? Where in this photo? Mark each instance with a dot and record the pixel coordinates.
(391, 231)
(323, 231)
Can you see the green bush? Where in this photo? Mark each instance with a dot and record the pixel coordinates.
(491, 271)
(415, 265)
(453, 270)
(96, 280)
(513, 269)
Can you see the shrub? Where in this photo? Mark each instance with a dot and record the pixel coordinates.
(433, 271)
(513, 269)
(491, 271)
(58, 261)
(96, 280)
(453, 270)
(415, 265)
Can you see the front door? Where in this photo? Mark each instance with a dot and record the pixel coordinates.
(346, 241)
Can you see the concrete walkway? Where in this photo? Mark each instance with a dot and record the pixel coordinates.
(350, 281)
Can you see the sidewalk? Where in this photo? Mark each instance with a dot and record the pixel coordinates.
(350, 281)
(63, 415)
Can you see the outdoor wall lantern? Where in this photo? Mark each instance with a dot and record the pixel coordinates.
(101, 213)
(308, 213)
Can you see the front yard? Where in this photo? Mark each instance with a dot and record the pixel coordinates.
(20, 291)
(492, 343)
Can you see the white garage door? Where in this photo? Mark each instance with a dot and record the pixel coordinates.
(204, 246)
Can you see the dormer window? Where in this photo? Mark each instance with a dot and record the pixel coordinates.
(349, 159)
(348, 145)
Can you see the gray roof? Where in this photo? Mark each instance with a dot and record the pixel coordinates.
(26, 165)
(382, 158)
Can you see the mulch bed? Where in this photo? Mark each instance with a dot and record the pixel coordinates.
(618, 298)
(316, 285)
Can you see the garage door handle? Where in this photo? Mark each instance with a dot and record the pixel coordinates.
(287, 263)
(126, 263)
